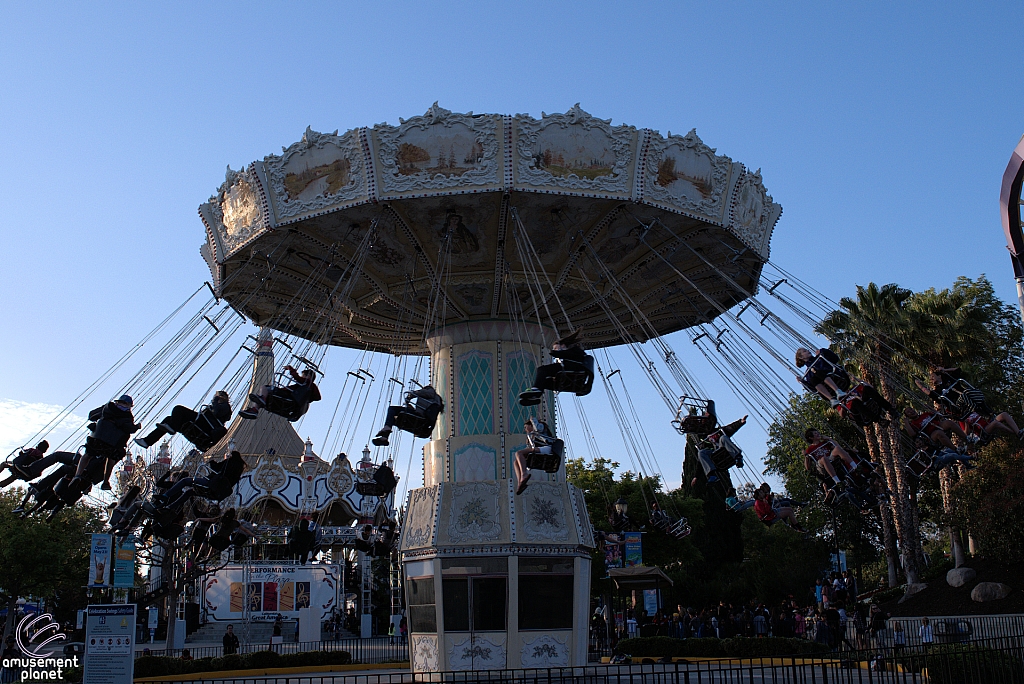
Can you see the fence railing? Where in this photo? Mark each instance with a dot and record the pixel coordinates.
(372, 650)
(995, 661)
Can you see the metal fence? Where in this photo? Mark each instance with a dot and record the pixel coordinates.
(372, 650)
(984, 662)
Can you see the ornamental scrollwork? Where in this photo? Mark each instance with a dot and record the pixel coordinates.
(438, 151)
(317, 172)
(575, 151)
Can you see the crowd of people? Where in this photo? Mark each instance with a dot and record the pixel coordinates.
(832, 616)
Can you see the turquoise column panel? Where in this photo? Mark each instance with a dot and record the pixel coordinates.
(520, 367)
(476, 397)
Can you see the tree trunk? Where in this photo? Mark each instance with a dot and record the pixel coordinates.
(905, 503)
(892, 552)
(12, 606)
(891, 524)
(955, 544)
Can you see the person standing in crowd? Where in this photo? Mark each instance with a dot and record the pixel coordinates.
(230, 640)
(899, 637)
(925, 631)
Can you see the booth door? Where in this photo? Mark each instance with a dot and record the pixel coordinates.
(477, 607)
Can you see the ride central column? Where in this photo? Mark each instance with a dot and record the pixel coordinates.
(480, 368)
(494, 580)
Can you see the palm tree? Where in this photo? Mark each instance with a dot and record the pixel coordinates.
(870, 331)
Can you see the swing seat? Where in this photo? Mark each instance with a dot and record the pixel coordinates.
(549, 463)
(170, 531)
(204, 432)
(420, 422)
(701, 425)
(963, 399)
(216, 488)
(725, 454)
(280, 402)
(381, 484)
(574, 376)
(920, 463)
(681, 529)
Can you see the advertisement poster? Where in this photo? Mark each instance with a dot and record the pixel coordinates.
(269, 590)
(99, 561)
(634, 549)
(612, 556)
(124, 564)
(109, 644)
(651, 601)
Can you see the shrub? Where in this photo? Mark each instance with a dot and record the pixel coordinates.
(957, 663)
(261, 659)
(735, 647)
(158, 666)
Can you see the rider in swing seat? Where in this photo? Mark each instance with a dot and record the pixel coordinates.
(825, 374)
(302, 540)
(418, 415)
(223, 478)
(114, 425)
(822, 450)
(572, 372)
(717, 451)
(31, 463)
(933, 425)
(203, 429)
(289, 402)
(769, 514)
(544, 452)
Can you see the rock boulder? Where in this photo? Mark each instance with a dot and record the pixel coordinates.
(990, 591)
(913, 589)
(958, 577)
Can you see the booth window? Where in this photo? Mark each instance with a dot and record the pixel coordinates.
(420, 599)
(475, 594)
(545, 593)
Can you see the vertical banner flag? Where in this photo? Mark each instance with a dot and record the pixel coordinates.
(100, 559)
(124, 565)
(634, 549)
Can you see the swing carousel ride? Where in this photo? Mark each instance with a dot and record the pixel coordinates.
(470, 259)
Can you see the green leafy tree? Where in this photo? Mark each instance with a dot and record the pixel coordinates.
(49, 560)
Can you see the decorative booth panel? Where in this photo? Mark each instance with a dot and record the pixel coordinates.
(476, 651)
(474, 513)
(421, 523)
(545, 650)
(425, 657)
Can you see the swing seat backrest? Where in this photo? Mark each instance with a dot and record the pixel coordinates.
(204, 432)
(701, 425)
(575, 376)
(280, 402)
(420, 424)
(549, 463)
(920, 462)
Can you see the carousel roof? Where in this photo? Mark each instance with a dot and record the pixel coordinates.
(565, 220)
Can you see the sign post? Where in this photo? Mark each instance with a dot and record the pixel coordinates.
(110, 644)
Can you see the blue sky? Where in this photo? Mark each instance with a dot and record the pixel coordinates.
(883, 129)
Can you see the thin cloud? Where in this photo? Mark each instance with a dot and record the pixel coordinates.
(20, 422)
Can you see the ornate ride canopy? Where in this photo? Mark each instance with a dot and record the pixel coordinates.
(284, 234)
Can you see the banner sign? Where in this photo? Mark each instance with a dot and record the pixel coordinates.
(124, 565)
(100, 560)
(612, 556)
(109, 644)
(634, 549)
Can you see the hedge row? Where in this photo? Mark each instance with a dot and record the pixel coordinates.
(158, 666)
(958, 663)
(734, 647)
